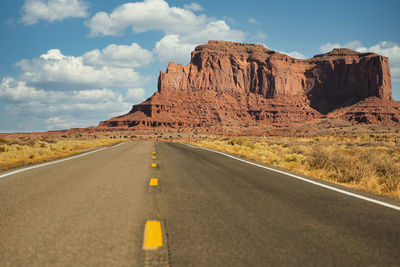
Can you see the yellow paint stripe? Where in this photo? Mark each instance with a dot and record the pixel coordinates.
(154, 165)
(154, 157)
(154, 152)
(153, 182)
(152, 235)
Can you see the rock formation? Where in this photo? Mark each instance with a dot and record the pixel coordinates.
(238, 84)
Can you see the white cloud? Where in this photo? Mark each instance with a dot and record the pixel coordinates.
(385, 48)
(355, 45)
(260, 36)
(172, 48)
(52, 10)
(65, 122)
(325, 48)
(194, 7)
(135, 94)
(182, 28)
(38, 109)
(177, 48)
(388, 49)
(294, 54)
(145, 16)
(158, 15)
(54, 70)
(215, 30)
(253, 21)
(54, 90)
(13, 90)
(125, 56)
(231, 20)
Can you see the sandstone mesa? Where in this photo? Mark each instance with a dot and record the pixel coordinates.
(243, 85)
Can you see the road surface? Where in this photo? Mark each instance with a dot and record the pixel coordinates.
(191, 208)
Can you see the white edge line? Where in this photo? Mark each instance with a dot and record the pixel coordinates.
(304, 179)
(57, 161)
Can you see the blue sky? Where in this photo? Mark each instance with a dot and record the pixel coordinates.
(72, 63)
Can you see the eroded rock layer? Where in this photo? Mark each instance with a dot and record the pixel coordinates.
(246, 84)
(371, 110)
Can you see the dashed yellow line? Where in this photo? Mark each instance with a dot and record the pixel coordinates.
(153, 182)
(154, 165)
(154, 152)
(154, 157)
(152, 235)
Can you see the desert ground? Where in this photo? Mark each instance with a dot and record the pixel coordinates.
(359, 156)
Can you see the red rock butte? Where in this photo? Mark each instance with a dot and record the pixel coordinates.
(240, 84)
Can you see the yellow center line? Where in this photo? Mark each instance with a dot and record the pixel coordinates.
(154, 152)
(153, 182)
(154, 157)
(152, 235)
(154, 165)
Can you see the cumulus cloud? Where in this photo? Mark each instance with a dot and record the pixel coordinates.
(52, 10)
(294, 54)
(54, 70)
(66, 122)
(158, 15)
(260, 36)
(385, 48)
(145, 16)
(172, 48)
(194, 7)
(182, 28)
(39, 109)
(16, 91)
(325, 48)
(355, 45)
(135, 95)
(215, 30)
(124, 56)
(54, 90)
(253, 21)
(177, 48)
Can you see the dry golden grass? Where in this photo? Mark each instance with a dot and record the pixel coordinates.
(20, 152)
(369, 162)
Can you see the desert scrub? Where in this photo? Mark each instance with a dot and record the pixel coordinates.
(367, 162)
(17, 153)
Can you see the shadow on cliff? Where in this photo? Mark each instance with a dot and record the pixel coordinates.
(336, 85)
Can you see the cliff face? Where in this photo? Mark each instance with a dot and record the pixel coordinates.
(330, 80)
(246, 84)
(343, 77)
(236, 68)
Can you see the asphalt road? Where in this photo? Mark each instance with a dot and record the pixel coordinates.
(213, 211)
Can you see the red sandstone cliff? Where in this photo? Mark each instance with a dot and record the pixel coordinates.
(246, 84)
